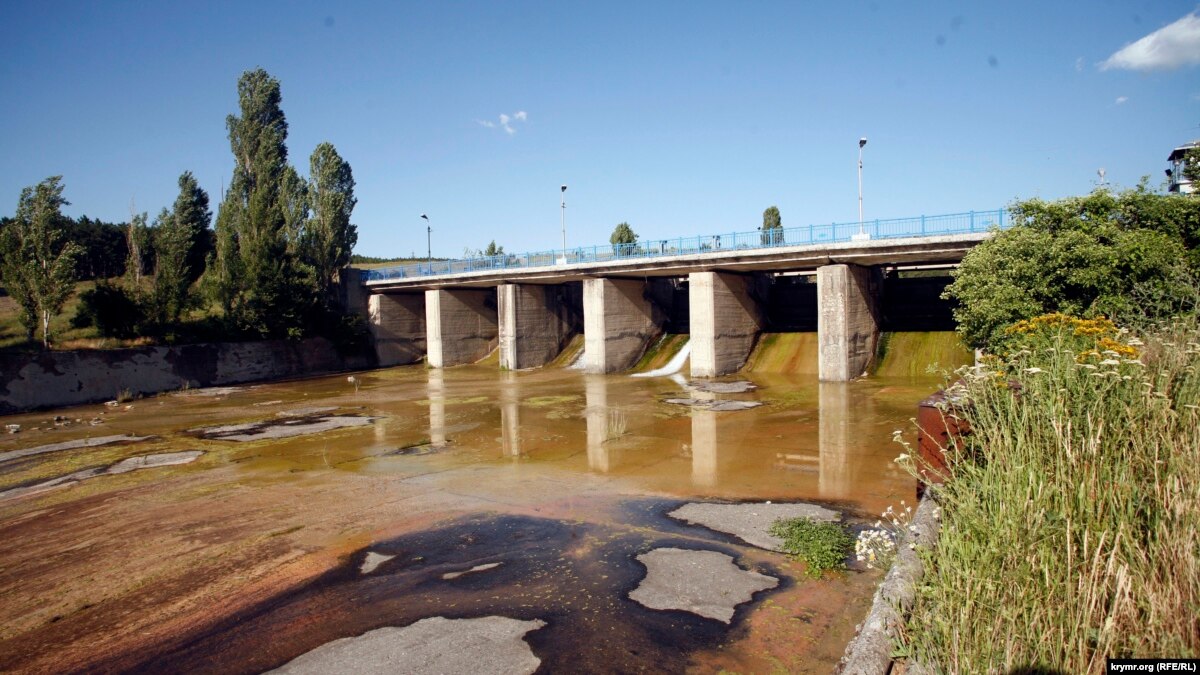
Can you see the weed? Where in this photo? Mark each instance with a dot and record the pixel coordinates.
(820, 545)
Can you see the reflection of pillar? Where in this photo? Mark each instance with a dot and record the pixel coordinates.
(835, 481)
(437, 407)
(599, 454)
(510, 415)
(705, 459)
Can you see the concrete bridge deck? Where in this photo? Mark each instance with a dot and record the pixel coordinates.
(622, 297)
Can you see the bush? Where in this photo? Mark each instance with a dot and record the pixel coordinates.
(821, 546)
(112, 310)
(1084, 256)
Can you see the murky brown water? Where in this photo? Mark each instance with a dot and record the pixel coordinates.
(248, 556)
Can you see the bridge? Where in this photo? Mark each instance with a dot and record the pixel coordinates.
(721, 288)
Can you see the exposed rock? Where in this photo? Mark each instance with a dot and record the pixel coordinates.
(707, 583)
(373, 561)
(71, 445)
(490, 644)
(478, 568)
(717, 406)
(123, 466)
(750, 522)
(738, 387)
(283, 427)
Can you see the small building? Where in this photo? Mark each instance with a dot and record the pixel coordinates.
(1179, 182)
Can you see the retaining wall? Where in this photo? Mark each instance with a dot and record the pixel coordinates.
(55, 379)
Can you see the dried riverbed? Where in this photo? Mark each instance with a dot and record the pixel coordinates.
(312, 511)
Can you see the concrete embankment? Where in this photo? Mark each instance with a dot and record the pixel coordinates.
(55, 379)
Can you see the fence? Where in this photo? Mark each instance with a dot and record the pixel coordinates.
(920, 226)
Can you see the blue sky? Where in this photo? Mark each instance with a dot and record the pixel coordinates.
(678, 117)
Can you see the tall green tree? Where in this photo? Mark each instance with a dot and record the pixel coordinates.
(253, 274)
(329, 236)
(172, 271)
(772, 227)
(38, 264)
(493, 250)
(137, 243)
(192, 215)
(623, 234)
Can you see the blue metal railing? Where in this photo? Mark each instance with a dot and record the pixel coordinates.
(919, 226)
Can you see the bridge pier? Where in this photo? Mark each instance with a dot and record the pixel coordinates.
(618, 323)
(847, 321)
(536, 322)
(725, 321)
(397, 325)
(460, 325)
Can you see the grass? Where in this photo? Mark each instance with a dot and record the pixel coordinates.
(1071, 520)
(617, 425)
(822, 546)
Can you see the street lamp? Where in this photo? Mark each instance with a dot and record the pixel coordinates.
(861, 234)
(428, 239)
(564, 218)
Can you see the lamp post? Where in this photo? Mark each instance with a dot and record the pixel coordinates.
(428, 239)
(564, 219)
(861, 234)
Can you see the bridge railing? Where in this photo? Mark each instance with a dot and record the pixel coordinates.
(919, 226)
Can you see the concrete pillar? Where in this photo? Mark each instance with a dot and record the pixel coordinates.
(397, 325)
(725, 321)
(618, 324)
(460, 325)
(536, 322)
(847, 321)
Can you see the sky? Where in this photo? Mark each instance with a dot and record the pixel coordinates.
(680, 118)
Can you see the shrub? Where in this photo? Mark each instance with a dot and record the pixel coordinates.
(111, 309)
(820, 545)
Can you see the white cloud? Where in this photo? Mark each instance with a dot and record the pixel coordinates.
(1121, 99)
(1169, 47)
(1079, 65)
(506, 122)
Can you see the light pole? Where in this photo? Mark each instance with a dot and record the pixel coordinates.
(564, 220)
(861, 234)
(428, 239)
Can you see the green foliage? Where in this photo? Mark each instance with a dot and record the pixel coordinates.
(820, 545)
(1191, 167)
(193, 218)
(172, 274)
(329, 236)
(137, 243)
(254, 277)
(493, 250)
(1071, 518)
(114, 311)
(623, 234)
(38, 264)
(103, 247)
(1100, 254)
(772, 227)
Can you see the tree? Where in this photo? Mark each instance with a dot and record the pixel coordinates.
(329, 236)
(1125, 256)
(772, 227)
(137, 240)
(253, 275)
(172, 275)
(38, 265)
(193, 217)
(493, 250)
(622, 238)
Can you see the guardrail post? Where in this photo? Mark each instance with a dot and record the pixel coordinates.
(922, 225)
(972, 221)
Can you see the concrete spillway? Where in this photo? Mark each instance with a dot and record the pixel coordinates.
(673, 366)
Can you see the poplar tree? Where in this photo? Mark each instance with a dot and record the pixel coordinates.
(192, 215)
(772, 227)
(38, 265)
(329, 236)
(171, 271)
(253, 273)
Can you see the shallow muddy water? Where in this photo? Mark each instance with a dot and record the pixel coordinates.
(251, 554)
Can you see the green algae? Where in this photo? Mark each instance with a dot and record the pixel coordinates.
(920, 354)
(661, 352)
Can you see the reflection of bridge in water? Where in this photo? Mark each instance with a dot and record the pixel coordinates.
(830, 450)
(722, 289)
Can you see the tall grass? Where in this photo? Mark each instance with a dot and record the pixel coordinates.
(1071, 522)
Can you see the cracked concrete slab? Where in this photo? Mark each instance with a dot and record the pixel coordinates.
(282, 427)
(707, 583)
(372, 561)
(480, 646)
(717, 406)
(123, 466)
(750, 522)
(71, 445)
